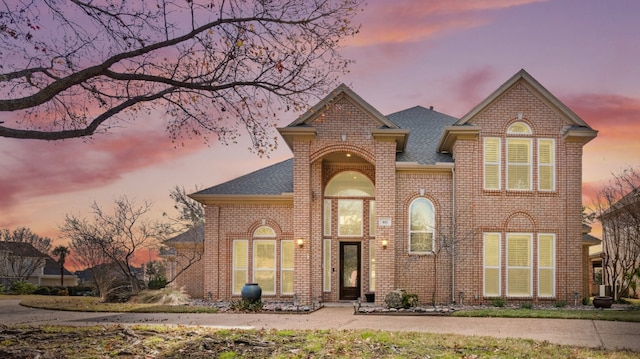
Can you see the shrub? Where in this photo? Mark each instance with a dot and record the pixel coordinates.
(42, 291)
(22, 287)
(498, 302)
(1, 288)
(158, 282)
(54, 291)
(399, 298)
(560, 304)
(526, 305)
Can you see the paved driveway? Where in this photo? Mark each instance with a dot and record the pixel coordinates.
(584, 333)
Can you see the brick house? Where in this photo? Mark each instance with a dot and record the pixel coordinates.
(453, 210)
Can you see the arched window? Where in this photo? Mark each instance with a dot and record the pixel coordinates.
(264, 231)
(421, 226)
(519, 128)
(350, 184)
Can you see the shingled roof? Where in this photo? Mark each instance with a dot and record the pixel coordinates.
(21, 249)
(425, 125)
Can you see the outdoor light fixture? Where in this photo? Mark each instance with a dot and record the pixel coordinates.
(300, 242)
(385, 243)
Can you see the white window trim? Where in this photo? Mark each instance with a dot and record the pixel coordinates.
(234, 267)
(485, 163)
(552, 165)
(499, 266)
(327, 213)
(282, 268)
(553, 268)
(433, 232)
(530, 267)
(372, 263)
(530, 164)
(275, 260)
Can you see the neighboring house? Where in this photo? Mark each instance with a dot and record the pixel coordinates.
(183, 256)
(591, 261)
(621, 244)
(453, 210)
(20, 260)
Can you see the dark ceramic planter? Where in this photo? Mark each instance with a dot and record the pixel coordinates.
(251, 292)
(602, 302)
(371, 297)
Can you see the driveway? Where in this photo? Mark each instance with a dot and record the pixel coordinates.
(583, 333)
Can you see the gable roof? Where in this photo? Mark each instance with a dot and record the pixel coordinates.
(539, 90)
(192, 235)
(51, 267)
(21, 249)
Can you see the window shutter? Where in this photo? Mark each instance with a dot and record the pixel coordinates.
(492, 163)
(546, 165)
(491, 264)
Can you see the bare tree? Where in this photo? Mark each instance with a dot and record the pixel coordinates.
(617, 207)
(185, 246)
(116, 236)
(22, 252)
(75, 68)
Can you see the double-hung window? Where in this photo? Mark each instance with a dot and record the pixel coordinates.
(492, 262)
(546, 265)
(519, 274)
(492, 161)
(519, 164)
(421, 226)
(546, 164)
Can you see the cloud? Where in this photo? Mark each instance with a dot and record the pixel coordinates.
(411, 21)
(37, 168)
(474, 85)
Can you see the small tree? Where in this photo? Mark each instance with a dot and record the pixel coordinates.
(617, 207)
(61, 253)
(116, 236)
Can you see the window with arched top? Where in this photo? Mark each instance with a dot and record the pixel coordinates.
(519, 128)
(264, 231)
(350, 184)
(421, 226)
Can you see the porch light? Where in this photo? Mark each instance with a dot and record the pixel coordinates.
(300, 242)
(385, 243)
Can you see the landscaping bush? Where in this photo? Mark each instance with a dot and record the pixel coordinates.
(245, 305)
(498, 302)
(526, 305)
(42, 291)
(22, 287)
(399, 298)
(560, 304)
(157, 283)
(1, 288)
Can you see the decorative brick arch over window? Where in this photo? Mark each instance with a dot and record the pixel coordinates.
(520, 222)
(343, 147)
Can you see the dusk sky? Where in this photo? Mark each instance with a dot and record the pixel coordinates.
(446, 54)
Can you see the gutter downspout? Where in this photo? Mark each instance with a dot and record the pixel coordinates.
(453, 234)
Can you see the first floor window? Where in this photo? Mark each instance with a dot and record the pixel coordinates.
(286, 267)
(421, 226)
(546, 265)
(264, 265)
(519, 265)
(372, 265)
(240, 265)
(491, 250)
(326, 265)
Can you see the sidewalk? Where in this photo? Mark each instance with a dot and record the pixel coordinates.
(583, 333)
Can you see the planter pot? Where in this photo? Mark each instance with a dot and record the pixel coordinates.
(602, 302)
(371, 297)
(251, 292)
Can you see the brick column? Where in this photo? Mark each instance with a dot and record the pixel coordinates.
(302, 221)
(385, 208)
(212, 255)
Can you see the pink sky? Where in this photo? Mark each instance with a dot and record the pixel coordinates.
(446, 54)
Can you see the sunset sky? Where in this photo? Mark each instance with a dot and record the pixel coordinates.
(446, 54)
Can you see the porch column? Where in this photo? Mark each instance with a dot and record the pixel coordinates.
(302, 221)
(385, 209)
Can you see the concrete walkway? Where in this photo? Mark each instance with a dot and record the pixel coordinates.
(583, 333)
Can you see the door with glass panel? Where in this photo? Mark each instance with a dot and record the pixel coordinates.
(350, 277)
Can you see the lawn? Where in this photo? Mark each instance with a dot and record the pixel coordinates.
(199, 342)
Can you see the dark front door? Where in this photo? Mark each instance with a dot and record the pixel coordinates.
(349, 270)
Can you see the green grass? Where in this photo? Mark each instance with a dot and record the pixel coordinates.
(612, 315)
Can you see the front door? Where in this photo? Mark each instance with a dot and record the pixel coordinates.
(349, 270)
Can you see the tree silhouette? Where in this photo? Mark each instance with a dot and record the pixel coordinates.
(76, 68)
(61, 253)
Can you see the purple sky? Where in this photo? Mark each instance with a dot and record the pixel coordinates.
(446, 54)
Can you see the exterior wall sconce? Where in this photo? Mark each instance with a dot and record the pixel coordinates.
(385, 243)
(300, 242)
